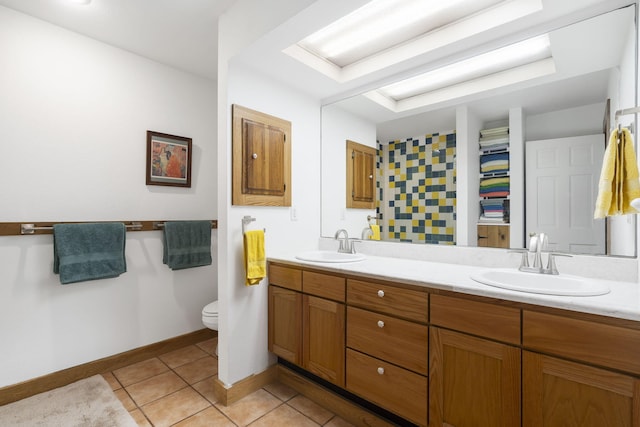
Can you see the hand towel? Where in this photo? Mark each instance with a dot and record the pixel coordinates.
(618, 184)
(254, 257)
(375, 232)
(88, 251)
(187, 244)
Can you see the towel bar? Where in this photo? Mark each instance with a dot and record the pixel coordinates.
(46, 227)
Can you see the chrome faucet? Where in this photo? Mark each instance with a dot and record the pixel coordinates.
(346, 246)
(537, 244)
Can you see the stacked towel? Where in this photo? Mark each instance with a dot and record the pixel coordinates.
(494, 163)
(492, 210)
(187, 244)
(88, 251)
(494, 139)
(494, 187)
(618, 184)
(254, 257)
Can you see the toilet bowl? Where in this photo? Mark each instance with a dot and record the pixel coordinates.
(210, 317)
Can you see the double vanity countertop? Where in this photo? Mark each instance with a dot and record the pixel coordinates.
(623, 300)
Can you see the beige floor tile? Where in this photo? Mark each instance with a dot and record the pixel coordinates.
(112, 380)
(207, 418)
(284, 415)
(206, 389)
(139, 418)
(140, 371)
(182, 356)
(198, 370)
(175, 407)
(125, 399)
(155, 387)
(311, 409)
(338, 422)
(251, 407)
(281, 391)
(209, 346)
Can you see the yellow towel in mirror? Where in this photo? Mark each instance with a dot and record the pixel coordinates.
(254, 257)
(618, 184)
(375, 232)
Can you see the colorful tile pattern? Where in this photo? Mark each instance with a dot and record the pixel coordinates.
(417, 189)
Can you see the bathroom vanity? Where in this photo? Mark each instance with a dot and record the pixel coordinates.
(451, 352)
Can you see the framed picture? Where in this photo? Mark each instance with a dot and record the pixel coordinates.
(168, 160)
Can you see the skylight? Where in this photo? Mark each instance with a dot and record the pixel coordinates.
(384, 32)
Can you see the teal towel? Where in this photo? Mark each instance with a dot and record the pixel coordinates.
(88, 251)
(187, 244)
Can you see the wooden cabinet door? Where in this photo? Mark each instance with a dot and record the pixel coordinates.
(493, 236)
(558, 393)
(285, 324)
(361, 182)
(472, 382)
(324, 338)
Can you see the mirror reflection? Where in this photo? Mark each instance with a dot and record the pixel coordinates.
(430, 170)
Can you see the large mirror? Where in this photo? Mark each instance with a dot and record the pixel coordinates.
(548, 118)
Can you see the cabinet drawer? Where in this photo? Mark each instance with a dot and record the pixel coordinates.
(404, 303)
(592, 342)
(398, 390)
(397, 341)
(477, 318)
(285, 277)
(323, 285)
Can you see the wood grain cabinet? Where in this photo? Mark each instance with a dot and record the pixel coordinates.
(361, 180)
(561, 392)
(307, 327)
(387, 347)
(474, 381)
(493, 236)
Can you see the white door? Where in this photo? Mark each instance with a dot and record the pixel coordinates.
(561, 180)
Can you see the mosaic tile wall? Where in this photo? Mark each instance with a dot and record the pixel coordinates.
(417, 189)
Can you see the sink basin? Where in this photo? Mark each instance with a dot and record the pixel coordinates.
(561, 284)
(330, 256)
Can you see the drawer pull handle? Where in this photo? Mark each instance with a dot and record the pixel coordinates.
(381, 370)
(381, 293)
(380, 324)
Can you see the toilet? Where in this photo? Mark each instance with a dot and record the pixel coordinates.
(210, 317)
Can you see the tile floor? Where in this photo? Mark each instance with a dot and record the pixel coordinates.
(176, 389)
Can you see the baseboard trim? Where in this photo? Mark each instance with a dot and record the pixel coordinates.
(245, 387)
(61, 378)
(337, 404)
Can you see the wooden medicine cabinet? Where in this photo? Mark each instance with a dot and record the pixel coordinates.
(261, 159)
(360, 176)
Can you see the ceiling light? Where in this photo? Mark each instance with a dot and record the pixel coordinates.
(82, 2)
(502, 67)
(381, 24)
(387, 32)
(488, 63)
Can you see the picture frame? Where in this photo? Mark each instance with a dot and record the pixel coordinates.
(168, 160)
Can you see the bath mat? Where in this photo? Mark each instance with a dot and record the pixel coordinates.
(87, 403)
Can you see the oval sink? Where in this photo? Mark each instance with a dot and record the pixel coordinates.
(547, 284)
(330, 256)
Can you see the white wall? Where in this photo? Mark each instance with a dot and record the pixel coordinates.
(339, 125)
(244, 329)
(73, 119)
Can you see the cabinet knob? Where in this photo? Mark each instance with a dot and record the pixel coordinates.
(381, 370)
(370, 176)
(381, 293)
(254, 156)
(380, 324)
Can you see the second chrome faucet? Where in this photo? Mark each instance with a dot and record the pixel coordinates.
(537, 244)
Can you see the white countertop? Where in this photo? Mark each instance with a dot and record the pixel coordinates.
(623, 301)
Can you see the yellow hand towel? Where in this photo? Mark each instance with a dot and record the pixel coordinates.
(254, 257)
(618, 184)
(375, 232)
